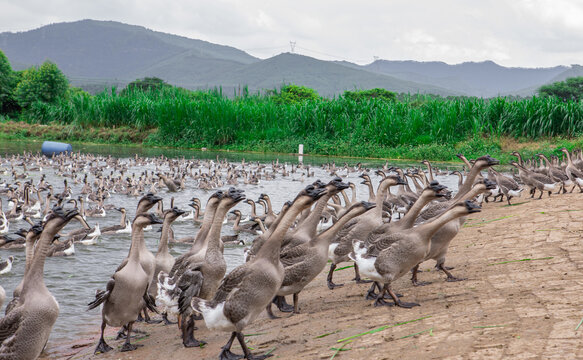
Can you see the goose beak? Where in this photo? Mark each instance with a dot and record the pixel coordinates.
(178, 212)
(156, 220)
(472, 207)
(368, 205)
(401, 181)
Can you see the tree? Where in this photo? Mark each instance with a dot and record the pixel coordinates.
(8, 81)
(376, 93)
(291, 94)
(44, 84)
(570, 89)
(147, 83)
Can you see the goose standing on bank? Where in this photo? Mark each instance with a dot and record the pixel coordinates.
(409, 249)
(246, 291)
(164, 261)
(304, 262)
(25, 330)
(126, 292)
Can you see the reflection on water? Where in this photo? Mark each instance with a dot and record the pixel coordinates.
(73, 280)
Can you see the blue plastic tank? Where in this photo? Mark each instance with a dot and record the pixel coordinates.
(51, 148)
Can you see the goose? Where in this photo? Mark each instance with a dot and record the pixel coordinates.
(24, 331)
(126, 292)
(359, 229)
(247, 290)
(6, 265)
(302, 263)
(204, 271)
(123, 224)
(508, 186)
(574, 174)
(443, 237)
(536, 181)
(173, 185)
(62, 249)
(251, 228)
(164, 261)
(269, 214)
(408, 249)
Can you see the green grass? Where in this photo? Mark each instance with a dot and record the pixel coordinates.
(419, 128)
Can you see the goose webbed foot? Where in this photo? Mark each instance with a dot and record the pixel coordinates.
(333, 286)
(380, 301)
(226, 354)
(192, 342)
(450, 277)
(420, 283)
(166, 321)
(140, 318)
(129, 347)
(406, 305)
(121, 334)
(360, 281)
(282, 305)
(152, 321)
(102, 347)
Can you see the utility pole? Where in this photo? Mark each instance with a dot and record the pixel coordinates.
(292, 45)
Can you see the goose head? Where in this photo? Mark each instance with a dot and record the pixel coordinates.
(145, 219)
(437, 190)
(174, 213)
(335, 185)
(147, 202)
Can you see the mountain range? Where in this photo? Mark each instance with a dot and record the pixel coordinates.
(96, 55)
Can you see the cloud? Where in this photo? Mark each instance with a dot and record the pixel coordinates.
(513, 33)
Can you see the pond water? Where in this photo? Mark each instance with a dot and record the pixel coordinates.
(73, 280)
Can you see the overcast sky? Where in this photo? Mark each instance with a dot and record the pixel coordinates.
(525, 33)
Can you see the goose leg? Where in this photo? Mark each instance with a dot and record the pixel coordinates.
(331, 285)
(371, 295)
(296, 305)
(102, 346)
(396, 299)
(126, 345)
(380, 301)
(166, 321)
(414, 272)
(357, 276)
(188, 339)
(270, 312)
(248, 354)
(147, 318)
(226, 353)
(450, 277)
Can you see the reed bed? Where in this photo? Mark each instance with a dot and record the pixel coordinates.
(325, 126)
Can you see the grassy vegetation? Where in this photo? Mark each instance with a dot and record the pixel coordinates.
(415, 128)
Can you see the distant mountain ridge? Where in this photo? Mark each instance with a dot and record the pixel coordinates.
(96, 54)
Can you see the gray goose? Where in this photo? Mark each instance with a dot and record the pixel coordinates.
(204, 271)
(443, 237)
(164, 260)
(359, 229)
(24, 331)
(574, 174)
(123, 224)
(304, 262)
(408, 249)
(246, 291)
(126, 292)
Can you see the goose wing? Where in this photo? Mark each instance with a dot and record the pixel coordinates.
(189, 283)
(230, 282)
(9, 325)
(292, 255)
(101, 296)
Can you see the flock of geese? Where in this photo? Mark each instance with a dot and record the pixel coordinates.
(321, 224)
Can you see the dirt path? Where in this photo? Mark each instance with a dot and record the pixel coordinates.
(519, 309)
